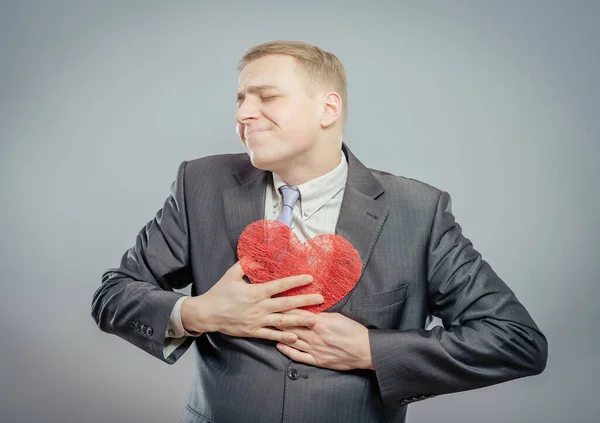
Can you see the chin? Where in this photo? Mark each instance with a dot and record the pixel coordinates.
(259, 160)
(268, 162)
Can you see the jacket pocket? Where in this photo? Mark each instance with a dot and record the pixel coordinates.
(378, 311)
(382, 299)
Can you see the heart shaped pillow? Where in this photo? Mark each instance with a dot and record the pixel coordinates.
(269, 250)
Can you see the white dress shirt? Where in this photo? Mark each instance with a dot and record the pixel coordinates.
(315, 213)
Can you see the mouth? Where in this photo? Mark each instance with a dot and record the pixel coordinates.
(254, 131)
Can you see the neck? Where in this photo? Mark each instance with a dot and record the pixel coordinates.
(305, 168)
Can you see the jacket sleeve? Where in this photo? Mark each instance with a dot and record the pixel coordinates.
(487, 336)
(135, 300)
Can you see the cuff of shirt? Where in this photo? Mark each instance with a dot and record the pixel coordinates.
(175, 326)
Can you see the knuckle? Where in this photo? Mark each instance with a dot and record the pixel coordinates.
(253, 296)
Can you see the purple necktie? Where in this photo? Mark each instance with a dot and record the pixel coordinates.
(290, 196)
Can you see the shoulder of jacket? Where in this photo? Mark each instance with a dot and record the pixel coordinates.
(219, 169)
(231, 161)
(389, 181)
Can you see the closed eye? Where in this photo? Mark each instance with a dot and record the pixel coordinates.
(269, 98)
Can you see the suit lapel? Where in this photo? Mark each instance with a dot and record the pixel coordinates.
(361, 215)
(245, 203)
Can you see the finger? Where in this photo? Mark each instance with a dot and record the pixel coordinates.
(299, 345)
(299, 311)
(275, 335)
(303, 334)
(278, 286)
(285, 321)
(281, 304)
(296, 355)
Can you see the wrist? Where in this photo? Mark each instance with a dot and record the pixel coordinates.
(194, 315)
(367, 357)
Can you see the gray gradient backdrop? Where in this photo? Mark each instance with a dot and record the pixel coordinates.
(495, 102)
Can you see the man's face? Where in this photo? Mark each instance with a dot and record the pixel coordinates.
(277, 121)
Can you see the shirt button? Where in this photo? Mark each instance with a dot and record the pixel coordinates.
(293, 374)
(275, 205)
(306, 213)
(171, 333)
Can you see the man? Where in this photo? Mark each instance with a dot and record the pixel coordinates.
(261, 358)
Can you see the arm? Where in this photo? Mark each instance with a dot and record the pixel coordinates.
(488, 337)
(136, 299)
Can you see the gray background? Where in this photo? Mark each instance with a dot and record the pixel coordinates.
(494, 102)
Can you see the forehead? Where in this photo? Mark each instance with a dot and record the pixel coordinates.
(277, 70)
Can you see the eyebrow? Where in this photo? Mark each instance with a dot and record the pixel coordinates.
(256, 89)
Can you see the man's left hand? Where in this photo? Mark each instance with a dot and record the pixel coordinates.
(334, 342)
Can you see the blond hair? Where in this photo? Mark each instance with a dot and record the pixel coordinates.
(320, 68)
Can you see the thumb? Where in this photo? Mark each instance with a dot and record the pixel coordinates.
(251, 266)
(237, 271)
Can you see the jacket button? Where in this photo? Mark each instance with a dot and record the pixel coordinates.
(293, 374)
(149, 331)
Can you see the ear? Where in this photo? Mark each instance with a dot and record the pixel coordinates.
(332, 109)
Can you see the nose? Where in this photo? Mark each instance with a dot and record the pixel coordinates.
(247, 110)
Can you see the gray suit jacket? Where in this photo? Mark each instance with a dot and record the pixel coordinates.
(416, 263)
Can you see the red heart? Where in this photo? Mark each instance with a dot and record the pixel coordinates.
(269, 250)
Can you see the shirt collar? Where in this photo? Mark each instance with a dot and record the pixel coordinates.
(316, 192)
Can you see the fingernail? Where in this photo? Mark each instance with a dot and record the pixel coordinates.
(319, 298)
(308, 278)
(310, 321)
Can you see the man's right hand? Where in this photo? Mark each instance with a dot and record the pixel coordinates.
(237, 308)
